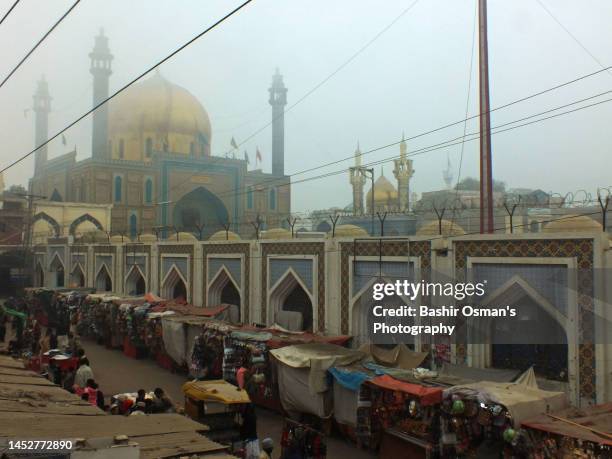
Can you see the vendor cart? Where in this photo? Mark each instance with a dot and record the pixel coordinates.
(217, 404)
(300, 441)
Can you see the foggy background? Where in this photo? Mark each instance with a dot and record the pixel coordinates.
(412, 79)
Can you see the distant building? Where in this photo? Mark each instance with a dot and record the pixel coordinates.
(151, 160)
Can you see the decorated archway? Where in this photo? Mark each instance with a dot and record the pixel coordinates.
(224, 289)
(174, 285)
(52, 224)
(362, 317)
(39, 275)
(104, 282)
(77, 277)
(291, 304)
(135, 284)
(56, 267)
(94, 224)
(539, 336)
(200, 207)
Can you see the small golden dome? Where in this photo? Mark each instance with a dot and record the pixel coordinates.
(573, 224)
(222, 236)
(157, 115)
(148, 238)
(118, 239)
(384, 191)
(95, 237)
(432, 228)
(349, 231)
(187, 237)
(276, 233)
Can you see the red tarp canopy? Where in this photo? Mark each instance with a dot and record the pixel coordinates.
(151, 298)
(426, 395)
(598, 417)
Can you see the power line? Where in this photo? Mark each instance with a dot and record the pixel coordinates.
(431, 131)
(456, 141)
(467, 103)
(39, 42)
(437, 146)
(572, 36)
(319, 84)
(337, 70)
(123, 88)
(9, 11)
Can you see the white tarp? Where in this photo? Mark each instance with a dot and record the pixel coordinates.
(319, 357)
(295, 394)
(345, 405)
(174, 339)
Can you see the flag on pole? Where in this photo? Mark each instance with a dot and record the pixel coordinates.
(258, 156)
(246, 158)
(233, 143)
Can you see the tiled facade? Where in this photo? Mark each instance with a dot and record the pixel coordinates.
(263, 264)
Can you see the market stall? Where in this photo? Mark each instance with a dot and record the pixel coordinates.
(486, 414)
(251, 347)
(348, 379)
(302, 379)
(396, 416)
(577, 433)
(217, 404)
(300, 441)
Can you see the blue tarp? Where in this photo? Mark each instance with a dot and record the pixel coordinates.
(397, 373)
(349, 378)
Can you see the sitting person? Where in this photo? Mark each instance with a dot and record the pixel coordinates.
(138, 408)
(83, 373)
(161, 402)
(91, 389)
(140, 402)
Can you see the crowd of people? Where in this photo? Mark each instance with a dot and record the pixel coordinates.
(61, 358)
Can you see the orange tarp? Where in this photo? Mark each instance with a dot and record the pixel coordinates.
(426, 395)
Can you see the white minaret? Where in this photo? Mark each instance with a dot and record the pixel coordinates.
(448, 174)
(357, 179)
(403, 171)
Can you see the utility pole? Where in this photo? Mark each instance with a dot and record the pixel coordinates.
(486, 175)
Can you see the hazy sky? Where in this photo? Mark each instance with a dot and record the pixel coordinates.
(412, 79)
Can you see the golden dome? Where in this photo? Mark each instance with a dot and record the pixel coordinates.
(148, 238)
(276, 233)
(222, 236)
(349, 231)
(573, 224)
(432, 228)
(118, 239)
(97, 236)
(384, 191)
(182, 236)
(157, 115)
(385, 196)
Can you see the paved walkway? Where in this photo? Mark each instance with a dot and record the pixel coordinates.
(116, 373)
